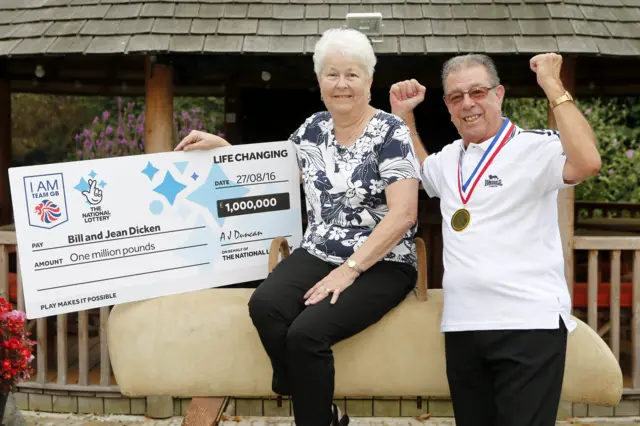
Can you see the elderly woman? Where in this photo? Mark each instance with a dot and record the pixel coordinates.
(357, 260)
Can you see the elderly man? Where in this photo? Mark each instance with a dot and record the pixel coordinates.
(506, 302)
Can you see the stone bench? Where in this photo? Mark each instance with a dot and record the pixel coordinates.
(203, 344)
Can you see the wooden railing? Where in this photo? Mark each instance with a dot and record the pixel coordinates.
(64, 357)
(607, 217)
(592, 209)
(617, 249)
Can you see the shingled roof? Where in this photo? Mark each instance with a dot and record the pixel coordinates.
(591, 27)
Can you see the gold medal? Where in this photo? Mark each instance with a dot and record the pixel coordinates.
(460, 220)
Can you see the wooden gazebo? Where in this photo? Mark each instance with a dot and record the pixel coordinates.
(258, 54)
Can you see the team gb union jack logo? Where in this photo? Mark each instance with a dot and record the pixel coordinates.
(46, 200)
(48, 211)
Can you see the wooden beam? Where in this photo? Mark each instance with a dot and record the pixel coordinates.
(6, 209)
(158, 138)
(158, 107)
(566, 197)
(232, 115)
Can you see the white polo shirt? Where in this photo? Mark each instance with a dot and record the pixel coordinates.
(506, 269)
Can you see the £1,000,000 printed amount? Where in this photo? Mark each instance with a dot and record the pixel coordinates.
(109, 231)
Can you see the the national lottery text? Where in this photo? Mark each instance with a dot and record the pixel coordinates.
(248, 156)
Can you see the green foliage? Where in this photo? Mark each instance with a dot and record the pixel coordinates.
(616, 124)
(43, 126)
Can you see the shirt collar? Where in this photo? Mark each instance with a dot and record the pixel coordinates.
(484, 145)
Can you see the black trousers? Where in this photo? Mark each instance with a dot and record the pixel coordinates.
(506, 377)
(298, 338)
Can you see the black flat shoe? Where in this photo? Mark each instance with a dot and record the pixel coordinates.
(280, 388)
(343, 421)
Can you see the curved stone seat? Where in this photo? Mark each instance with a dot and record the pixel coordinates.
(204, 344)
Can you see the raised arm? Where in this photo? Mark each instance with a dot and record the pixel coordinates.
(577, 137)
(404, 96)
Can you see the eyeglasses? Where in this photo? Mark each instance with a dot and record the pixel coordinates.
(477, 94)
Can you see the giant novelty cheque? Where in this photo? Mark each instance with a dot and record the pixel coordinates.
(108, 231)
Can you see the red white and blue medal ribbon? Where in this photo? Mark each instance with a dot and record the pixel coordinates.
(498, 142)
(462, 217)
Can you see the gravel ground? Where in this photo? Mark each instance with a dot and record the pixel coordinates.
(49, 419)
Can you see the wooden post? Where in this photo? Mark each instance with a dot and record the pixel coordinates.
(6, 209)
(158, 107)
(158, 138)
(566, 197)
(232, 114)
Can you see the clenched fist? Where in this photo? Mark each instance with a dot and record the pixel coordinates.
(404, 96)
(547, 67)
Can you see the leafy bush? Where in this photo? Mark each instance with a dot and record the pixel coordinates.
(615, 124)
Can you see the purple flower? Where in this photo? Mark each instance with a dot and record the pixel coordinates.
(109, 130)
(587, 111)
(105, 116)
(630, 153)
(615, 142)
(610, 172)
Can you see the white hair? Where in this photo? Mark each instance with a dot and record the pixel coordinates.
(349, 43)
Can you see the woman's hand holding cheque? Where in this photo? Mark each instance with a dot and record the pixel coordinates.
(201, 140)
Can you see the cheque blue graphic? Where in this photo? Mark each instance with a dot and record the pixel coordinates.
(204, 195)
(207, 197)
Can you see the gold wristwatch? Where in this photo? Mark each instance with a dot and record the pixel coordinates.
(352, 264)
(566, 97)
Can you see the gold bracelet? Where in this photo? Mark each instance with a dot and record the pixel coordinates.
(566, 97)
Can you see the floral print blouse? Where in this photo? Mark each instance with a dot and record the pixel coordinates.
(344, 186)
